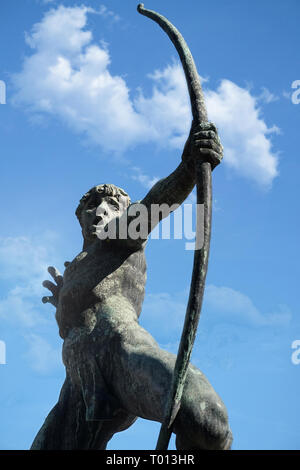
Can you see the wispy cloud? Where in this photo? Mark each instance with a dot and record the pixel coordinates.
(221, 303)
(23, 258)
(267, 96)
(23, 266)
(68, 76)
(230, 326)
(23, 263)
(107, 13)
(237, 306)
(42, 356)
(163, 315)
(287, 95)
(145, 180)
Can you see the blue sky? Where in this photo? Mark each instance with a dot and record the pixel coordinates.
(94, 94)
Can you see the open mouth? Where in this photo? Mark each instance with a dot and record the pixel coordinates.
(98, 225)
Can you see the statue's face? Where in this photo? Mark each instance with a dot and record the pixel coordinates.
(98, 211)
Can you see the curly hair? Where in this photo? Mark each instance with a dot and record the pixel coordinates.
(104, 190)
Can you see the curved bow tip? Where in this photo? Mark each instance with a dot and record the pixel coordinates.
(140, 7)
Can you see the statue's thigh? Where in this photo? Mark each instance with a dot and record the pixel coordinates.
(142, 374)
(144, 381)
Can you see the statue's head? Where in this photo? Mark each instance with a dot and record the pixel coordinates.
(99, 206)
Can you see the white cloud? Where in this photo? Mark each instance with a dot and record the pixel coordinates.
(234, 305)
(41, 355)
(21, 258)
(67, 75)
(19, 311)
(232, 330)
(106, 13)
(167, 110)
(23, 266)
(247, 149)
(287, 95)
(230, 326)
(267, 96)
(244, 133)
(145, 180)
(163, 313)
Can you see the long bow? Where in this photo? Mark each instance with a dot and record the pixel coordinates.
(204, 196)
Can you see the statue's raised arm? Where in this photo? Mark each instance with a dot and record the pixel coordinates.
(202, 145)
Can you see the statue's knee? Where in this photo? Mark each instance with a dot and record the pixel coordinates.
(203, 425)
(219, 433)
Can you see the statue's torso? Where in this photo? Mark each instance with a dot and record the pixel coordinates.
(102, 271)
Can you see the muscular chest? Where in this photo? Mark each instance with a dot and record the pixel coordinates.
(99, 272)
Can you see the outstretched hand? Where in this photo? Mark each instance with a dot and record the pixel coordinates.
(203, 143)
(54, 288)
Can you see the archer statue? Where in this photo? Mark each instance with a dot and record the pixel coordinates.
(115, 370)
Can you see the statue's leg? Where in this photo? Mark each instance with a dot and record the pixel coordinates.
(141, 377)
(66, 426)
(56, 433)
(202, 421)
(86, 415)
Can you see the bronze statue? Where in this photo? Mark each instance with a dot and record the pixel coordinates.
(115, 370)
